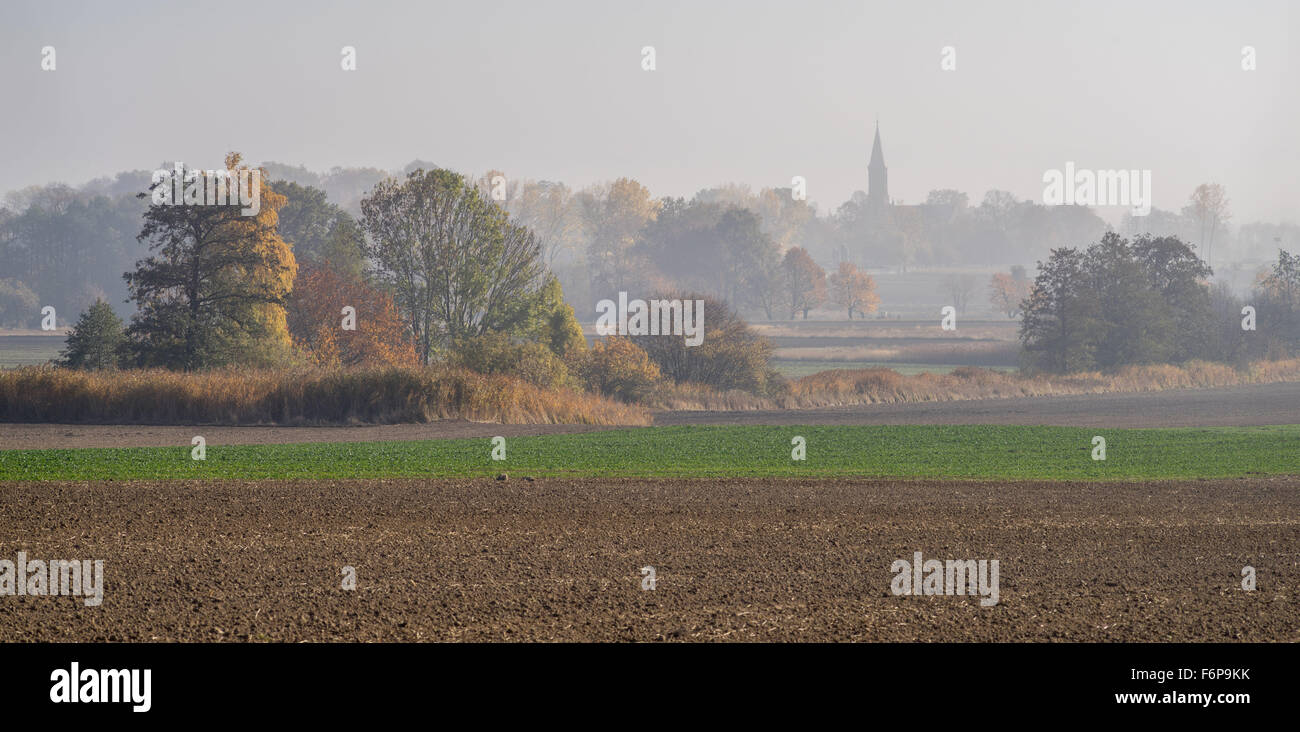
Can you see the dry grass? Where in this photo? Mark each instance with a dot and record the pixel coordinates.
(380, 395)
(847, 387)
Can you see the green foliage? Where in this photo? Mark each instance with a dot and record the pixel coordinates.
(97, 341)
(936, 451)
(555, 324)
(1118, 304)
(320, 231)
(457, 266)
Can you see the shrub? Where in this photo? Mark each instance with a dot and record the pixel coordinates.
(731, 356)
(619, 368)
(534, 363)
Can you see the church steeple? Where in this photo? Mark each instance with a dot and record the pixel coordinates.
(877, 174)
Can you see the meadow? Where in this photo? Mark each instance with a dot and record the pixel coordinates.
(916, 451)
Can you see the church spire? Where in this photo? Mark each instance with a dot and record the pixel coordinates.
(877, 174)
(877, 156)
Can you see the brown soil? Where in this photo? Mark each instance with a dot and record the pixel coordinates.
(736, 560)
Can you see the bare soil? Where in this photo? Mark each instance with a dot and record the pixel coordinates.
(735, 560)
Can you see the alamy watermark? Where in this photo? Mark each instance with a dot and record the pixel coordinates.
(1098, 188)
(192, 187)
(658, 317)
(40, 578)
(953, 577)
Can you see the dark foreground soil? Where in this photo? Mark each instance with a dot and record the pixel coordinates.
(735, 560)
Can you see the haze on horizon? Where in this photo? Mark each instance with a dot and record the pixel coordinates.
(745, 92)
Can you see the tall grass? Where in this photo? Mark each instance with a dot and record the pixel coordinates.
(379, 395)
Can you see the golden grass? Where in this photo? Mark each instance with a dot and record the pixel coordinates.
(378, 395)
(847, 387)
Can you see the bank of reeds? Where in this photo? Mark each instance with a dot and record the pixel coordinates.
(380, 395)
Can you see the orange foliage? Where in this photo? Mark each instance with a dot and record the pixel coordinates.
(316, 321)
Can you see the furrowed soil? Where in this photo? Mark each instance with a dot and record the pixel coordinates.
(1254, 404)
(735, 560)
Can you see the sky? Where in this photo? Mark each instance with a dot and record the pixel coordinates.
(749, 92)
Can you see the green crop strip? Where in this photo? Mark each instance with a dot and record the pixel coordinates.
(1051, 453)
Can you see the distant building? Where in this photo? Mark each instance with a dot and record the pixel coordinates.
(886, 234)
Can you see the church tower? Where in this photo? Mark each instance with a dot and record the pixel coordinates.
(877, 175)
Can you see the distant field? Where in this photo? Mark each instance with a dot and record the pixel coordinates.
(964, 451)
(795, 368)
(29, 350)
(896, 343)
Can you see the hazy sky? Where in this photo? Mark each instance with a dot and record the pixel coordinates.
(752, 92)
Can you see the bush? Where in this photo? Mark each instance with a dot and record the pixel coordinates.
(618, 368)
(731, 356)
(534, 363)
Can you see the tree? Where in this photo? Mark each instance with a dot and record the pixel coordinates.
(853, 290)
(213, 292)
(1180, 278)
(1060, 317)
(96, 341)
(547, 209)
(456, 264)
(959, 287)
(1135, 323)
(315, 315)
(805, 281)
(1208, 206)
(748, 260)
(319, 230)
(1006, 293)
(612, 215)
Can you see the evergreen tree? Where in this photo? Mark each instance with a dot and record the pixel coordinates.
(96, 341)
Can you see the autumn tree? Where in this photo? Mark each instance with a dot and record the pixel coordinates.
(612, 215)
(805, 281)
(377, 334)
(457, 265)
(213, 291)
(853, 290)
(1007, 293)
(548, 209)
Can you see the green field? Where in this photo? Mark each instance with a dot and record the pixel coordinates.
(1058, 453)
